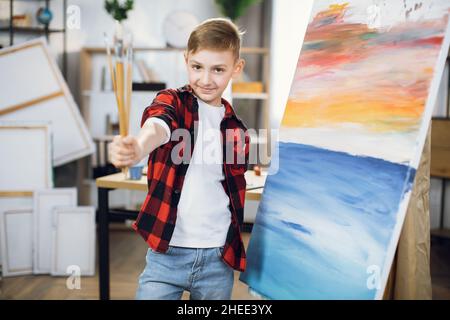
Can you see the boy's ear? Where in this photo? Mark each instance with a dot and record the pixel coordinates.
(238, 67)
(185, 54)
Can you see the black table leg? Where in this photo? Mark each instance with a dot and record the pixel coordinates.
(103, 219)
(444, 184)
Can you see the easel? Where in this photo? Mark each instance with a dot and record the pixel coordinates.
(410, 276)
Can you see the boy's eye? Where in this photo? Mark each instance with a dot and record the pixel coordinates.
(195, 67)
(219, 70)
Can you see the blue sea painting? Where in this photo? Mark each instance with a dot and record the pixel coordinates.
(352, 135)
(324, 220)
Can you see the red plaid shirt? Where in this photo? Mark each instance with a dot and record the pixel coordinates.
(157, 217)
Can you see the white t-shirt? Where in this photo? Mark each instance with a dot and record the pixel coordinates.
(203, 216)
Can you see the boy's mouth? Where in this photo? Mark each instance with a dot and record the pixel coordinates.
(206, 90)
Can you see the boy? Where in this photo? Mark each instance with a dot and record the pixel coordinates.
(192, 214)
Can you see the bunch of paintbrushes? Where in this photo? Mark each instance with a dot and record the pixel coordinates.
(121, 67)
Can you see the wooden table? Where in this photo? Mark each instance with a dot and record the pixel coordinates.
(105, 184)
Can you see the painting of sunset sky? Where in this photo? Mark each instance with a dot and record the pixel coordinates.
(351, 138)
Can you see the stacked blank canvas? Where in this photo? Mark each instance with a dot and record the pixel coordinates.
(73, 240)
(40, 127)
(51, 237)
(25, 165)
(44, 202)
(27, 202)
(46, 97)
(17, 242)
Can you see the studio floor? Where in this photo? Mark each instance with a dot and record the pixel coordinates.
(126, 264)
(127, 260)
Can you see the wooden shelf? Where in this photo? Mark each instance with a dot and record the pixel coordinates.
(257, 95)
(38, 30)
(441, 233)
(440, 148)
(236, 95)
(102, 50)
(34, 30)
(88, 93)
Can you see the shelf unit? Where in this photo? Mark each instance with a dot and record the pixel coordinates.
(44, 30)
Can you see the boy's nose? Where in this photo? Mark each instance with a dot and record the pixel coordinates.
(204, 79)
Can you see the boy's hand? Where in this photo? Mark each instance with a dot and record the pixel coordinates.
(124, 151)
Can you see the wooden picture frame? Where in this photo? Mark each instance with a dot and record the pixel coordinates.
(43, 203)
(47, 97)
(26, 162)
(73, 240)
(16, 230)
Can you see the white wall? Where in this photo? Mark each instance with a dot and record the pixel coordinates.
(289, 22)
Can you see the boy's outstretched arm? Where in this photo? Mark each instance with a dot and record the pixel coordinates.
(130, 150)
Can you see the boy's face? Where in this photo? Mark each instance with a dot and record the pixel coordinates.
(209, 72)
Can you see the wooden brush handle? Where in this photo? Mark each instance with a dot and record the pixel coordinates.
(129, 83)
(120, 97)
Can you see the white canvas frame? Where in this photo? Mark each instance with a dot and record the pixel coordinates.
(11, 203)
(16, 241)
(73, 240)
(43, 203)
(46, 97)
(26, 162)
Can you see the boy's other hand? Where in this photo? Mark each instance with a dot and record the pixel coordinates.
(124, 151)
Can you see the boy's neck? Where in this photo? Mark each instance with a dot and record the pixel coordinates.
(210, 104)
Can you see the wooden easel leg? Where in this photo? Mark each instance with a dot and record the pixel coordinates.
(410, 276)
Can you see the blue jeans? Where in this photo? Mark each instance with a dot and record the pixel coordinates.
(199, 271)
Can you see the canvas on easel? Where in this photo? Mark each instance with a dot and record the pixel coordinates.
(350, 142)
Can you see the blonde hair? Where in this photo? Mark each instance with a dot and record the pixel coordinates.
(216, 34)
